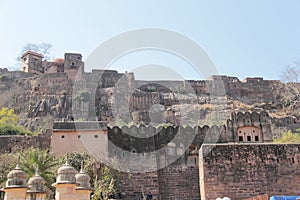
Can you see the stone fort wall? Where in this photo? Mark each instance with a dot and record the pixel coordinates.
(251, 167)
(15, 143)
(241, 171)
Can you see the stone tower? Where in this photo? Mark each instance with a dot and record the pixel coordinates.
(32, 63)
(65, 183)
(15, 188)
(73, 64)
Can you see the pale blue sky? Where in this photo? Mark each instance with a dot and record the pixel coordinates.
(243, 38)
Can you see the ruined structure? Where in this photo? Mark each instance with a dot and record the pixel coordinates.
(32, 63)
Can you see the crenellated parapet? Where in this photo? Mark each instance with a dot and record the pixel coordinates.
(241, 128)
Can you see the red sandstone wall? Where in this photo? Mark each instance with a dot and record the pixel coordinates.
(134, 184)
(174, 182)
(177, 182)
(241, 171)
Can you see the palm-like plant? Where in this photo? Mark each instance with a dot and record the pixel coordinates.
(46, 163)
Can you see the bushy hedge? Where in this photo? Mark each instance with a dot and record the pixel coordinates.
(10, 129)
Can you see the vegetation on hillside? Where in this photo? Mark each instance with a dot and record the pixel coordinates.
(8, 123)
(289, 137)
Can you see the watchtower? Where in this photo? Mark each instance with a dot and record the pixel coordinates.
(32, 62)
(73, 64)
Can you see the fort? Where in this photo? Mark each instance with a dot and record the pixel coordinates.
(61, 89)
(232, 124)
(237, 160)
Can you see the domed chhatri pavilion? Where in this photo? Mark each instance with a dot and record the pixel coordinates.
(16, 186)
(69, 185)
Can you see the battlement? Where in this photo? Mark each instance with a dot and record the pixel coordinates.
(241, 128)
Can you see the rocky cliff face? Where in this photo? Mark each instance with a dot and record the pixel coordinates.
(119, 98)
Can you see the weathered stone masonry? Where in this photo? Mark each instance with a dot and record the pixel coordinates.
(233, 167)
(240, 171)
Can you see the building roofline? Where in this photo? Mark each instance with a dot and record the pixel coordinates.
(75, 125)
(33, 53)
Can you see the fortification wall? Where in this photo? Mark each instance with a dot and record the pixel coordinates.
(240, 171)
(134, 185)
(256, 88)
(160, 137)
(179, 182)
(245, 124)
(53, 83)
(15, 143)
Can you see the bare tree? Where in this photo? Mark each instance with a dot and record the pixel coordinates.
(291, 73)
(291, 93)
(42, 48)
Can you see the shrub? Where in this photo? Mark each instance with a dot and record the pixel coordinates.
(289, 137)
(10, 129)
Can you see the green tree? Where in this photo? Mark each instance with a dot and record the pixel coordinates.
(104, 179)
(8, 123)
(75, 159)
(9, 129)
(8, 116)
(46, 163)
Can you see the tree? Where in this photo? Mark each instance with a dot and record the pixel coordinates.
(291, 92)
(75, 159)
(42, 48)
(46, 163)
(10, 129)
(291, 73)
(8, 116)
(104, 179)
(8, 123)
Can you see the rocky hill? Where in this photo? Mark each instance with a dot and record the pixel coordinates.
(39, 100)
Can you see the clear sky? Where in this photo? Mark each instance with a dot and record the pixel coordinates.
(243, 38)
